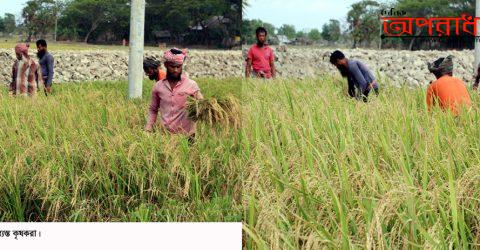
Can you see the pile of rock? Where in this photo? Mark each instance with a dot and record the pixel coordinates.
(79, 66)
(401, 67)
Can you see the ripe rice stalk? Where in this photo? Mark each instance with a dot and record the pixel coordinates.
(84, 156)
(223, 111)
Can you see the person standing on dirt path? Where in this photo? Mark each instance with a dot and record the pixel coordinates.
(360, 79)
(153, 69)
(260, 57)
(45, 59)
(447, 91)
(169, 96)
(25, 73)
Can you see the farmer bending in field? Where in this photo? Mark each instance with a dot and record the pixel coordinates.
(359, 77)
(170, 97)
(25, 73)
(447, 91)
(260, 57)
(153, 69)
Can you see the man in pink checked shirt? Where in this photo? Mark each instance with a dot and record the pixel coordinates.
(169, 96)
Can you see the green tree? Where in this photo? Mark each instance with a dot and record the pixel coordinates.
(2, 25)
(271, 30)
(331, 31)
(287, 30)
(9, 23)
(314, 35)
(364, 21)
(215, 21)
(87, 16)
(200, 22)
(301, 34)
(245, 5)
(202, 12)
(38, 17)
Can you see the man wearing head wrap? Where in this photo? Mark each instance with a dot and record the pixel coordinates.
(169, 96)
(25, 73)
(447, 91)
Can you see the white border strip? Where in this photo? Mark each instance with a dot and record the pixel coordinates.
(118, 235)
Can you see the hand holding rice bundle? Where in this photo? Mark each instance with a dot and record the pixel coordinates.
(215, 111)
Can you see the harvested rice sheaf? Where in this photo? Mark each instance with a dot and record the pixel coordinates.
(223, 111)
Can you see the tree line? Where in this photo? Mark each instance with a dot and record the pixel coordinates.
(207, 22)
(287, 33)
(7, 23)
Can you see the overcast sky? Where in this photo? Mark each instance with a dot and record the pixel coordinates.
(11, 6)
(304, 14)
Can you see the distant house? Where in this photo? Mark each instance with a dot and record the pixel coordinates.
(283, 39)
(200, 29)
(302, 41)
(212, 22)
(162, 36)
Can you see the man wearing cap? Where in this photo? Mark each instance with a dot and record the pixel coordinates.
(169, 96)
(25, 73)
(447, 91)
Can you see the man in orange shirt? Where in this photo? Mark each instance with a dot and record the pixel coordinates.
(153, 69)
(447, 91)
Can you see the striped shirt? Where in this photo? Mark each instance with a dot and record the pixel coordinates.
(171, 102)
(25, 74)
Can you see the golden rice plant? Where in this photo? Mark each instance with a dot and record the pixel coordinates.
(223, 111)
(81, 154)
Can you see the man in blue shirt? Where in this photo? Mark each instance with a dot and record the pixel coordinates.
(358, 75)
(46, 63)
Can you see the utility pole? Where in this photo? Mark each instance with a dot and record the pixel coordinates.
(55, 38)
(135, 60)
(477, 42)
(381, 39)
(55, 11)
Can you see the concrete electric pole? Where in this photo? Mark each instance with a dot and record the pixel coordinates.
(135, 59)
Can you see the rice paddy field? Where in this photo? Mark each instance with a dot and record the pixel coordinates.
(308, 168)
(81, 155)
(326, 171)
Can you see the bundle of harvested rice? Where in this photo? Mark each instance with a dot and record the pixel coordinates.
(222, 111)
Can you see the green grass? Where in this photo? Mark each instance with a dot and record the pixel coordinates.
(81, 155)
(325, 171)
